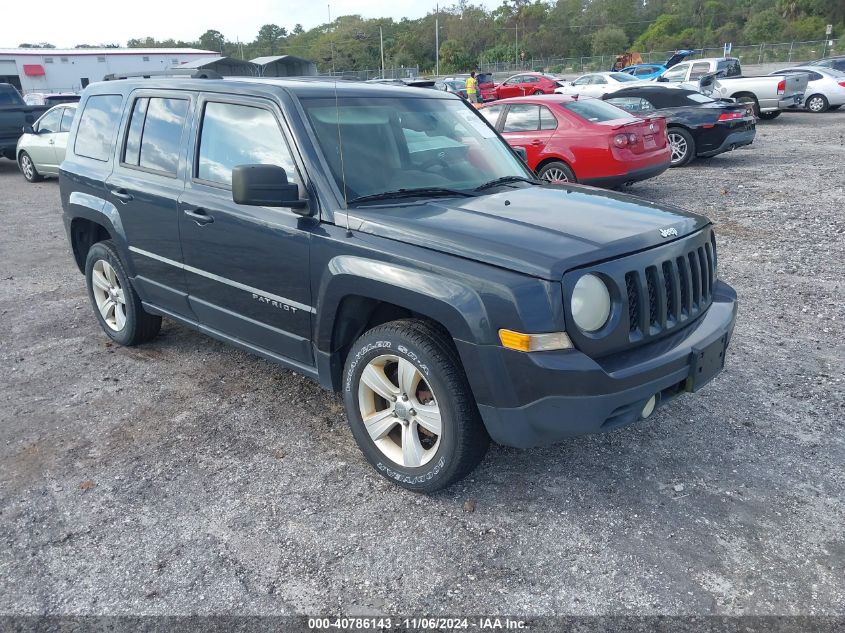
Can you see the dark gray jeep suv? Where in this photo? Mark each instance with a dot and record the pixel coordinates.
(388, 243)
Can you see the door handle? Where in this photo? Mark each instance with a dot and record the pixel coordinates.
(122, 195)
(52, 142)
(199, 216)
(536, 141)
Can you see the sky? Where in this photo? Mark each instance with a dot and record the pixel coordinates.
(66, 24)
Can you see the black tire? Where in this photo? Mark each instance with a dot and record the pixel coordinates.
(768, 116)
(463, 440)
(816, 104)
(685, 144)
(140, 326)
(538, 92)
(755, 106)
(559, 168)
(30, 173)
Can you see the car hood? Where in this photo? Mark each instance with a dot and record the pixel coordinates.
(539, 231)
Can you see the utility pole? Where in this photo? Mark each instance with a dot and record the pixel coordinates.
(437, 40)
(381, 42)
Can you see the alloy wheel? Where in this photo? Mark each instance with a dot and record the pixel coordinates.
(27, 167)
(111, 301)
(555, 175)
(400, 411)
(815, 104)
(678, 145)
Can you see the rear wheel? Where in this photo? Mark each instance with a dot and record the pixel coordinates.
(682, 146)
(768, 116)
(752, 100)
(116, 304)
(28, 168)
(816, 104)
(410, 407)
(538, 92)
(556, 171)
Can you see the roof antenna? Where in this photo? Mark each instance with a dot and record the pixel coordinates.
(342, 168)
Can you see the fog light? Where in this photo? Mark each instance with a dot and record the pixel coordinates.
(648, 409)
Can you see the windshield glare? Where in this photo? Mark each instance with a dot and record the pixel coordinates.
(397, 143)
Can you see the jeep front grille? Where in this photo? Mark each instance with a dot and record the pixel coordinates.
(668, 293)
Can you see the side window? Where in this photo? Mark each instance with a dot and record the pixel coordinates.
(155, 134)
(547, 119)
(631, 104)
(97, 127)
(699, 69)
(51, 122)
(598, 79)
(491, 114)
(522, 118)
(67, 119)
(233, 135)
(582, 81)
(530, 79)
(676, 73)
(815, 76)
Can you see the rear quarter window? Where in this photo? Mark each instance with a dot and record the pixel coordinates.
(98, 126)
(596, 111)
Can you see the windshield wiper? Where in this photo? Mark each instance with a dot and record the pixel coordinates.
(418, 192)
(505, 180)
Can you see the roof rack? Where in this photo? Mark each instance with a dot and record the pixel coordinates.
(191, 73)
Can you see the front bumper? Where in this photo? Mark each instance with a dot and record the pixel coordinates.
(541, 398)
(732, 141)
(634, 175)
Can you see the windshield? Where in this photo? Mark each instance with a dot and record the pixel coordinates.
(394, 143)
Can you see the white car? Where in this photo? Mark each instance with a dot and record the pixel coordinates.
(825, 87)
(41, 149)
(598, 84)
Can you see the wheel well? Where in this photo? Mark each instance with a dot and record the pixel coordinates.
(546, 161)
(356, 315)
(737, 95)
(83, 235)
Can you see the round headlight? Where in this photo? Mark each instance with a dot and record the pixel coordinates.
(590, 303)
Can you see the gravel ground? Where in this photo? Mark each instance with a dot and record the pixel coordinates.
(184, 476)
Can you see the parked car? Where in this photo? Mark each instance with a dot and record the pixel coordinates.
(50, 98)
(696, 125)
(527, 84)
(652, 71)
(582, 140)
(389, 244)
(597, 84)
(14, 115)
(836, 63)
(825, 87)
(455, 86)
(486, 86)
(767, 95)
(41, 148)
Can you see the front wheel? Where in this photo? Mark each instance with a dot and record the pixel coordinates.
(116, 304)
(768, 116)
(410, 407)
(682, 146)
(816, 104)
(28, 168)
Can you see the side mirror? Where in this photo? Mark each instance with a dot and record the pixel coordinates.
(28, 129)
(520, 151)
(266, 186)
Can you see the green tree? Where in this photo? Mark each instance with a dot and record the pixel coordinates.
(270, 38)
(212, 40)
(609, 40)
(765, 26)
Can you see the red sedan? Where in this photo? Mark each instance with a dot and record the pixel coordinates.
(582, 140)
(527, 84)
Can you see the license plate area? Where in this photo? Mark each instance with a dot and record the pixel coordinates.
(706, 363)
(648, 141)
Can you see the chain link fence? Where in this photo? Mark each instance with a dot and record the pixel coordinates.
(784, 52)
(402, 72)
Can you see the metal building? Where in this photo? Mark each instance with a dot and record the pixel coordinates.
(284, 66)
(226, 66)
(70, 70)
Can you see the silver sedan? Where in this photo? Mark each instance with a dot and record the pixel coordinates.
(825, 88)
(41, 149)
